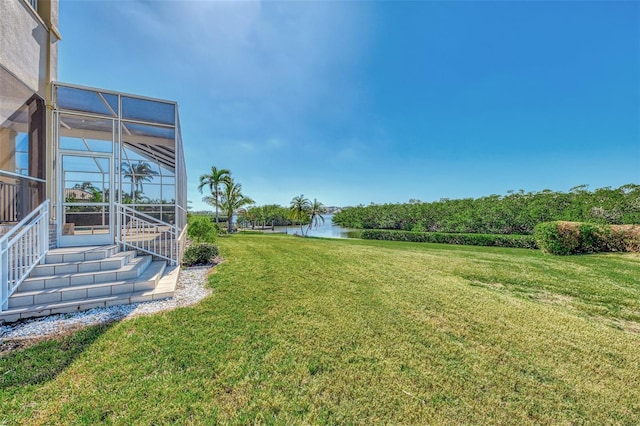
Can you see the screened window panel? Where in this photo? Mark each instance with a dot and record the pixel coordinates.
(137, 129)
(148, 110)
(82, 133)
(169, 193)
(150, 193)
(75, 99)
(82, 144)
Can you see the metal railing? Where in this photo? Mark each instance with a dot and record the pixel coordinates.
(148, 234)
(8, 202)
(19, 195)
(21, 249)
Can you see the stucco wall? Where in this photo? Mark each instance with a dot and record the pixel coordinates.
(24, 41)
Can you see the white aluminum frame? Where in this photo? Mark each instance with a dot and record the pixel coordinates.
(84, 240)
(179, 171)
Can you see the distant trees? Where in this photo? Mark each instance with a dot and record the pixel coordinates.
(301, 212)
(266, 215)
(518, 212)
(226, 195)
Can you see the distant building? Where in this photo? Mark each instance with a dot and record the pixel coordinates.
(77, 194)
(333, 209)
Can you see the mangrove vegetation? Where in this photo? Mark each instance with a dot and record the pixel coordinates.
(515, 213)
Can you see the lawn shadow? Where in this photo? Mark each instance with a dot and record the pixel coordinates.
(43, 361)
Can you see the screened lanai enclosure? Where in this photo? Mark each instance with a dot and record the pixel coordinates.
(22, 151)
(120, 174)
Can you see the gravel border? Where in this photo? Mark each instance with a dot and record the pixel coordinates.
(190, 289)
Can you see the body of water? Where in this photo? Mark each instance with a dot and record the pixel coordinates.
(326, 230)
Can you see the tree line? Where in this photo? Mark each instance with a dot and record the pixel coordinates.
(515, 213)
(226, 195)
(301, 212)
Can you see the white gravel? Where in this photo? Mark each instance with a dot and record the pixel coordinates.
(190, 289)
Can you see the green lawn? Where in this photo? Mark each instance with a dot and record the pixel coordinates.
(347, 331)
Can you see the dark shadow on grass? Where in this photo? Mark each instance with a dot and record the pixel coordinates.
(43, 361)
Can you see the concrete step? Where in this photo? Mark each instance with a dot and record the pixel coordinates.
(80, 278)
(115, 261)
(80, 254)
(133, 269)
(147, 280)
(152, 284)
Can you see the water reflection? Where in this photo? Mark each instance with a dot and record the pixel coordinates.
(326, 230)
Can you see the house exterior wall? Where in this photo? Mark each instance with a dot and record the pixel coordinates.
(28, 47)
(28, 65)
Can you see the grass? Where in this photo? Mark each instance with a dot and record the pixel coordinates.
(355, 332)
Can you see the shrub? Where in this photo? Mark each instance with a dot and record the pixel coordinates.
(354, 233)
(625, 238)
(565, 238)
(199, 254)
(594, 238)
(221, 228)
(495, 240)
(202, 229)
(560, 238)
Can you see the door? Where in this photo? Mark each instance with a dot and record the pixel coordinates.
(86, 198)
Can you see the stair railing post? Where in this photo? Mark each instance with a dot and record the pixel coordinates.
(44, 233)
(4, 274)
(118, 225)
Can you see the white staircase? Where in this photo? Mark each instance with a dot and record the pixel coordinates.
(81, 278)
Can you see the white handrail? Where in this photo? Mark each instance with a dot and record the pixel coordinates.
(146, 233)
(21, 249)
(181, 242)
(19, 176)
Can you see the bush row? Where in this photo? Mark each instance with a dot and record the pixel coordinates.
(565, 238)
(515, 241)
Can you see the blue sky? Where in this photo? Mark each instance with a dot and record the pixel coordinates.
(359, 102)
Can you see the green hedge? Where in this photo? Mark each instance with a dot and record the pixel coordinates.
(515, 241)
(565, 238)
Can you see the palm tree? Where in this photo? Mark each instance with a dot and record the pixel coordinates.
(209, 200)
(213, 181)
(232, 200)
(138, 172)
(298, 210)
(315, 214)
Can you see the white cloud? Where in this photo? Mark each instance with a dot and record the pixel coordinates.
(283, 55)
(276, 144)
(267, 76)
